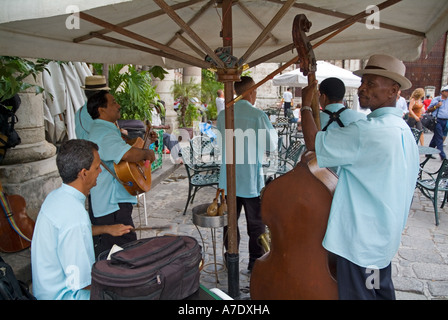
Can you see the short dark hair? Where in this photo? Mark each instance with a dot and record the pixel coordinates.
(245, 83)
(98, 100)
(73, 156)
(333, 88)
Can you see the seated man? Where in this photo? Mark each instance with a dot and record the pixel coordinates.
(169, 140)
(62, 252)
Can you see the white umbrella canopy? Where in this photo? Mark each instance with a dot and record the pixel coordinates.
(47, 29)
(325, 70)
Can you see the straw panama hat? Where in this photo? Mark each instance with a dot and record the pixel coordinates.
(95, 83)
(388, 67)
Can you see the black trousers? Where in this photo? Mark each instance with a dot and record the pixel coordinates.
(359, 283)
(255, 227)
(287, 106)
(104, 242)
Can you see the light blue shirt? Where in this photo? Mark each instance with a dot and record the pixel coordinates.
(441, 112)
(347, 116)
(379, 163)
(254, 136)
(62, 252)
(108, 192)
(83, 122)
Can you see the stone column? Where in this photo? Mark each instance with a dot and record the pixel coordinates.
(192, 73)
(29, 169)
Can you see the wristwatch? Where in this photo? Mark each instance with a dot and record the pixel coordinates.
(306, 108)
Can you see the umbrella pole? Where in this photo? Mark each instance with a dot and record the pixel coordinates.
(228, 76)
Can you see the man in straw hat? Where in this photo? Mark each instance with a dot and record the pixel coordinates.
(110, 202)
(379, 162)
(83, 120)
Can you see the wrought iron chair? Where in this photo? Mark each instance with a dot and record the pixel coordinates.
(201, 171)
(290, 157)
(431, 183)
(204, 150)
(286, 159)
(417, 133)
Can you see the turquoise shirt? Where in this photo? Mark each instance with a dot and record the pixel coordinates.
(108, 192)
(254, 136)
(83, 122)
(379, 163)
(62, 252)
(347, 116)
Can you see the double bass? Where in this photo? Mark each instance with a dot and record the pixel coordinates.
(16, 227)
(296, 207)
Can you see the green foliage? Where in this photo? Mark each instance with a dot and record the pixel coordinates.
(185, 93)
(14, 70)
(209, 88)
(133, 90)
(212, 111)
(191, 114)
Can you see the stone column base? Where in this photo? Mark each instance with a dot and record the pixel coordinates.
(32, 180)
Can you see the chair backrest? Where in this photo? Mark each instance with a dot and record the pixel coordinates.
(442, 175)
(417, 133)
(202, 149)
(294, 151)
(187, 156)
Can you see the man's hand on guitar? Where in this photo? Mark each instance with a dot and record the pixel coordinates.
(153, 136)
(150, 156)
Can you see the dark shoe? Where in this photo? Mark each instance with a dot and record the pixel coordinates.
(430, 156)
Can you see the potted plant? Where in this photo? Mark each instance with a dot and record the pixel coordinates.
(133, 89)
(187, 94)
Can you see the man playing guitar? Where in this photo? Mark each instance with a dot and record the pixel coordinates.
(110, 202)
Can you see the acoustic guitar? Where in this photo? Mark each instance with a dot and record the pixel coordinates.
(136, 176)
